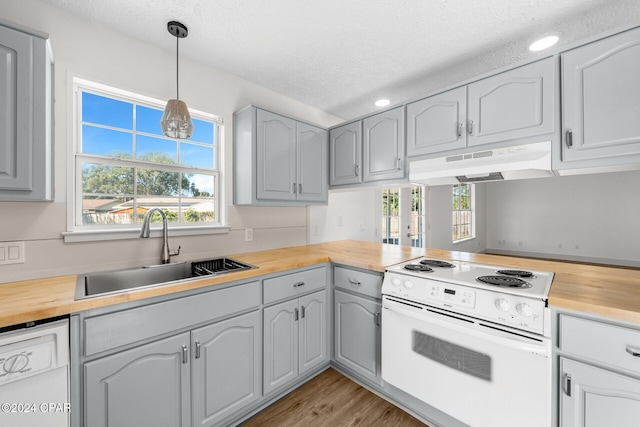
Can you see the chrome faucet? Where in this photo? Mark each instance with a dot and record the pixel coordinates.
(166, 253)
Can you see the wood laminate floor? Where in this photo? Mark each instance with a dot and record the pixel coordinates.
(332, 400)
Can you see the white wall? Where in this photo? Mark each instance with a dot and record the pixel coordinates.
(85, 49)
(588, 217)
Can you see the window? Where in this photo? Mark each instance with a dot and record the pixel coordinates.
(403, 208)
(125, 166)
(462, 213)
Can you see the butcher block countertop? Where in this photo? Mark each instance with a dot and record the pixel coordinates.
(608, 291)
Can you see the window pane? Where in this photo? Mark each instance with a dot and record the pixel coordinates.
(108, 210)
(196, 155)
(106, 111)
(148, 120)
(156, 150)
(196, 185)
(169, 205)
(107, 180)
(106, 142)
(157, 182)
(202, 132)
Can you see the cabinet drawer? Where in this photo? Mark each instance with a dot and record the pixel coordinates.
(113, 330)
(608, 344)
(364, 283)
(291, 285)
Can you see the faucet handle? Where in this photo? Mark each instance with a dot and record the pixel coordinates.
(176, 252)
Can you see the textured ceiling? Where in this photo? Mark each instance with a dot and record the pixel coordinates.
(340, 56)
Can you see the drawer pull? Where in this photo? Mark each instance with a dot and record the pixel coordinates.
(634, 351)
(297, 285)
(354, 281)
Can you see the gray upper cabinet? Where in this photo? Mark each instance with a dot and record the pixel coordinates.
(601, 106)
(345, 148)
(278, 161)
(516, 104)
(226, 371)
(437, 123)
(26, 158)
(383, 145)
(145, 386)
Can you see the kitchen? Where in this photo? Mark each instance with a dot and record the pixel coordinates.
(565, 217)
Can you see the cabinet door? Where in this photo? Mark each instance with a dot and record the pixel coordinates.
(25, 117)
(280, 345)
(225, 368)
(601, 107)
(437, 123)
(313, 153)
(145, 386)
(313, 331)
(344, 154)
(357, 335)
(519, 103)
(276, 156)
(383, 145)
(597, 397)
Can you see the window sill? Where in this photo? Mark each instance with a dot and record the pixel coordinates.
(463, 240)
(134, 233)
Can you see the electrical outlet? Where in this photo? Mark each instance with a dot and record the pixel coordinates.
(248, 234)
(11, 253)
(362, 226)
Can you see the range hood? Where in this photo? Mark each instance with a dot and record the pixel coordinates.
(516, 162)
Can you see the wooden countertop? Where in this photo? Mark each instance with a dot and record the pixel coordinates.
(608, 291)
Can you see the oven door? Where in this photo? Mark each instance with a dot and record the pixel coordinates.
(481, 374)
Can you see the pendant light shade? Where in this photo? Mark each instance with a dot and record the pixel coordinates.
(176, 120)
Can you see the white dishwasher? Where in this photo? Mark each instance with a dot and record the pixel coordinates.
(34, 376)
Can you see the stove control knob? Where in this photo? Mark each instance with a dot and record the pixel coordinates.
(395, 282)
(524, 309)
(502, 304)
(408, 284)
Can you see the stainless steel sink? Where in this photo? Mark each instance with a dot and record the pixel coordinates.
(117, 281)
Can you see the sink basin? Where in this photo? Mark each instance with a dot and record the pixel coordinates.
(116, 281)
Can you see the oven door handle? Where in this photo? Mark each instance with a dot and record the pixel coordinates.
(520, 342)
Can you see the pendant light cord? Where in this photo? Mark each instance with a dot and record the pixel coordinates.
(177, 69)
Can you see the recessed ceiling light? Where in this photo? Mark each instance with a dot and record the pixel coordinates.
(543, 43)
(382, 102)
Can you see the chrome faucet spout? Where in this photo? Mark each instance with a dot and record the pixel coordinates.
(145, 230)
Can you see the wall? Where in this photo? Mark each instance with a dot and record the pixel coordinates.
(85, 49)
(590, 218)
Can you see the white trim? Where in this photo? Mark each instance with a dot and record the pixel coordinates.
(129, 233)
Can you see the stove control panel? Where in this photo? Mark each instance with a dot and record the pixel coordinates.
(452, 295)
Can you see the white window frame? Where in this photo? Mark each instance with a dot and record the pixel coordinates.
(472, 209)
(76, 232)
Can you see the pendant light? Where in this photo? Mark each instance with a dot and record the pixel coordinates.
(176, 120)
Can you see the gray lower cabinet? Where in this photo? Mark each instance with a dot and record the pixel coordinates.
(383, 145)
(597, 397)
(357, 335)
(278, 161)
(295, 339)
(26, 118)
(345, 154)
(145, 386)
(225, 368)
(600, 103)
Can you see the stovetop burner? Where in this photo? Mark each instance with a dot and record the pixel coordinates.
(436, 263)
(516, 273)
(504, 281)
(418, 267)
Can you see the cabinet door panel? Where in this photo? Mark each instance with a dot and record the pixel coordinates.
(280, 345)
(144, 386)
(226, 372)
(600, 87)
(357, 336)
(313, 153)
(515, 104)
(598, 397)
(344, 147)
(313, 331)
(437, 123)
(276, 152)
(383, 145)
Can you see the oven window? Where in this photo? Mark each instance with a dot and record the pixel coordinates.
(452, 355)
